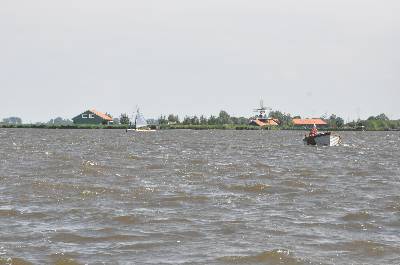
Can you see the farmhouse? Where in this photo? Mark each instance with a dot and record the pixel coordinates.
(308, 123)
(92, 116)
(264, 122)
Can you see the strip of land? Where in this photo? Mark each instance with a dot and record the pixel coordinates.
(194, 127)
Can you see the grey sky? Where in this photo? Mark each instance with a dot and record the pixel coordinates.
(307, 57)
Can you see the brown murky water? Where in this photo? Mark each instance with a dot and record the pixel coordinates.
(197, 197)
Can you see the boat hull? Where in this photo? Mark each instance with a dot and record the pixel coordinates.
(325, 139)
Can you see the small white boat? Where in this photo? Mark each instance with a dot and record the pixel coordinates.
(323, 139)
(140, 124)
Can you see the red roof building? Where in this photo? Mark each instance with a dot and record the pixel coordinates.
(309, 122)
(101, 115)
(92, 117)
(265, 122)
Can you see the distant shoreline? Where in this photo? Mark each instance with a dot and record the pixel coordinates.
(173, 127)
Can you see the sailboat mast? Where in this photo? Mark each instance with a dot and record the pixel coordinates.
(135, 120)
(136, 117)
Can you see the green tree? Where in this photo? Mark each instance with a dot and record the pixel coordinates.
(212, 120)
(335, 121)
(187, 120)
(162, 120)
(382, 117)
(234, 120)
(340, 122)
(194, 120)
(203, 120)
(116, 121)
(59, 121)
(224, 117)
(12, 120)
(124, 119)
(284, 118)
(243, 121)
(173, 118)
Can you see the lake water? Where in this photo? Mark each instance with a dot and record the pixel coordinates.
(197, 197)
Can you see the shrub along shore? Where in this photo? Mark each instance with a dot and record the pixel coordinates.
(190, 127)
(221, 122)
(69, 126)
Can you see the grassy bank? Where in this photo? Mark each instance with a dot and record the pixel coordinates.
(162, 127)
(210, 127)
(192, 127)
(250, 127)
(72, 126)
(378, 125)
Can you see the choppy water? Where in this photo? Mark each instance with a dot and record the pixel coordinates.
(197, 197)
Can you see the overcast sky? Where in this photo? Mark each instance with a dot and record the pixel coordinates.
(307, 57)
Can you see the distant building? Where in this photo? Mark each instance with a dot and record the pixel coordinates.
(264, 122)
(308, 123)
(262, 119)
(92, 117)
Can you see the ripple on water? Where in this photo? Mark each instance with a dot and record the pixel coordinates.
(93, 168)
(14, 261)
(357, 216)
(360, 220)
(23, 214)
(392, 203)
(365, 248)
(250, 188)
(9, 213)
(294, 183)
(170, 220)
(128, 219)
(140, 246)
(79, 239)
(104, 196)
(183, 197)
(277, 256)
(64, 259)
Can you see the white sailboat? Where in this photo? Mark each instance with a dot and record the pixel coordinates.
(140, 124)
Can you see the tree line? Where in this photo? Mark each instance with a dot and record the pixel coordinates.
(222, 118)
(378, 122)
(284, 119)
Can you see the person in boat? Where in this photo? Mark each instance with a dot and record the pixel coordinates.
(314, 131)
